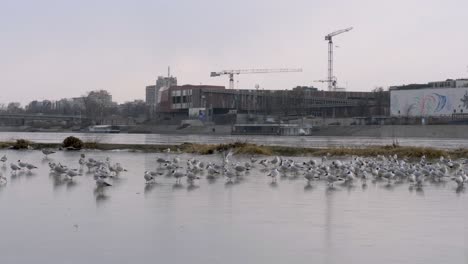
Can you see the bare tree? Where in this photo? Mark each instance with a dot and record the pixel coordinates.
(98, 104)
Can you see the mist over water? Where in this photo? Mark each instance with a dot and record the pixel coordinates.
(45, 219)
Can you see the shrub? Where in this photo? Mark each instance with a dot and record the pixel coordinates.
(72, 142)
(21, 144)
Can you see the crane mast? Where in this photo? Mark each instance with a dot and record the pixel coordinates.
(231, 73)
(331, 80)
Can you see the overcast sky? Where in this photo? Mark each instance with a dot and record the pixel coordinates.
(56, 49)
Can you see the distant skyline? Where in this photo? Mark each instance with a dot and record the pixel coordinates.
(60, 49)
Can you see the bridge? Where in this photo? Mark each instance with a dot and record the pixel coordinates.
(21, 119)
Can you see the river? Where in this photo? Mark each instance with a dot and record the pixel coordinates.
(48, 219)
(296, 141)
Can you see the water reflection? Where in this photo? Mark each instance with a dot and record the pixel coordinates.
(308, 187)
(388, 186)
(314, 221)
(177, 186)
(419, 190)
(118, 181)
(71, 184)
(364, 186)
(331, 189)
(30, 174)
(211, 179)
(273, 185)
(229, 183)
(100, 195)
(192, 187)
(14, 177)
(149, 187)
(460, 189)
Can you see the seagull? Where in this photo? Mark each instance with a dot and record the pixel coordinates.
(349, 177)
(117, 168)
(389, 176)
(161, 161)
(90, 164)
(332, 179)
(14, 168)
(4, 159)
(30, 167)
(276, 160)
(239, 168)
(150, 176)
(3, 179)
(274, 174)
(310, 175)
(177, 175)
(101, 182)
(264, 163)
(60, 169)
(229, 174)
(22, 164)
(227, 156)
(191, 177)
(72, 173)
(82, 160)
(459, 180)
(212, 170)
(47, 152)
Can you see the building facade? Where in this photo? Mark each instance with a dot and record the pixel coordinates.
(435, 99)
(153, 92)
(217, 100)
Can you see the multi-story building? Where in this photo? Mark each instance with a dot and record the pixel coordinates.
(185, 99)
(151, 95)
(153, 92)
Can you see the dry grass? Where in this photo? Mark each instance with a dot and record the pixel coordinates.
(91, 145)
(244, 148)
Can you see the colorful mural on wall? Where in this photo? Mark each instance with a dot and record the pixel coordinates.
(429, 102)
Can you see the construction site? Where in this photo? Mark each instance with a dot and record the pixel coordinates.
(255, 109)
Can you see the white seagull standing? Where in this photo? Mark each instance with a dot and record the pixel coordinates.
(274, 174)
(4, 159)
(47, 152)
(14, 168)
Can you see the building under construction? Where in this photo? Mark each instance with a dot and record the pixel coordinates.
(210, 101)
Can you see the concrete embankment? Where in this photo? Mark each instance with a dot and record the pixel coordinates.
(396, 131)
(195, 130)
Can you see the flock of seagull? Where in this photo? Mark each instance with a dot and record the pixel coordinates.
(348, 172)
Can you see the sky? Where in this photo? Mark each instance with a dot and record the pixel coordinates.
(53, 49)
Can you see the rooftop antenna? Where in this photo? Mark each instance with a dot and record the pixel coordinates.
(168, 71)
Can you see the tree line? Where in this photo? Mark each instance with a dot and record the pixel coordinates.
(95, 105)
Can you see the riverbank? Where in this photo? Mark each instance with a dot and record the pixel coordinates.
(243, 148)
(137, 129)
(373, 131)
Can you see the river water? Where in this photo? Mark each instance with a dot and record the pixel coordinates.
(312, 142)
(46, 219)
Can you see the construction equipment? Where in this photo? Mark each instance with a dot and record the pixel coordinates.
(331, 78)
(334, 81)
(231, 73)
